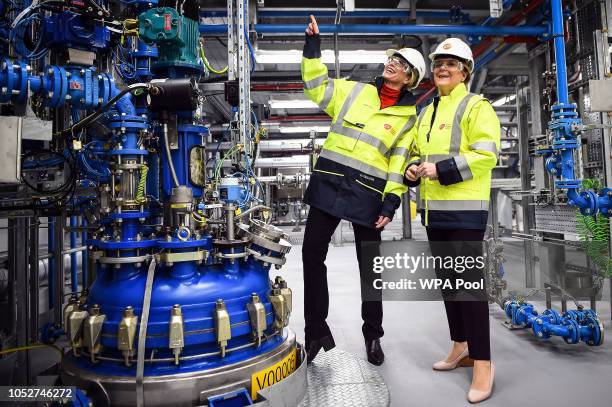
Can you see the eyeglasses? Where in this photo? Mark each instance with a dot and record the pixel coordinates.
(450, 64)
(398, 62)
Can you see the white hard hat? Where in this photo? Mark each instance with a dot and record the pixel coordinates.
(457, 48)
(414, 58)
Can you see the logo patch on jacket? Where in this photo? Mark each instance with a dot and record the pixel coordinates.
(444, 126)
(389, 128)
(366, 177)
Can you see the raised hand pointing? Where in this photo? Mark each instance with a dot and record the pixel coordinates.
(313, 27)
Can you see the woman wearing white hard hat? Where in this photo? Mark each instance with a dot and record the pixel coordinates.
(457, 142)
(358, 176)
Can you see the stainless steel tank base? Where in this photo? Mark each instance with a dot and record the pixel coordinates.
(339, 378)
(192, 389)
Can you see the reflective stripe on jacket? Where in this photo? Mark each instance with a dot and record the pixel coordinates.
(372, 144)
(463, 141)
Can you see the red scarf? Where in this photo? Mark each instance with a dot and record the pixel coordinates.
(388, 96)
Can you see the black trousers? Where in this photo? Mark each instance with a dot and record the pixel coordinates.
(467, 320)
(320, 227)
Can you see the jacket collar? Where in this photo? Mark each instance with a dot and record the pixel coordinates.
(406, 98)
(457, 93)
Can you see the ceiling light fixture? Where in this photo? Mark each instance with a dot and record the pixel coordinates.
(504, 100)
(303, 129)
(327, 57)
(293, 104)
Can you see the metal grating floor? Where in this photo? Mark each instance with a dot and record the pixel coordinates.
(338, 378)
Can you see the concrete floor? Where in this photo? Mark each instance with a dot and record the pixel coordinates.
(529, 373)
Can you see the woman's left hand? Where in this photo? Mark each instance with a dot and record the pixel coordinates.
(382, 222)
(427, 170)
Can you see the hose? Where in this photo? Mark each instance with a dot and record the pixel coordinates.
(140, 193)
(169, 157)
(253, 209)
(92, 117)
(29, 347)
(207, 64)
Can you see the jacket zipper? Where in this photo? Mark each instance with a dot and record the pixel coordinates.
(425, 196)
(433, 116)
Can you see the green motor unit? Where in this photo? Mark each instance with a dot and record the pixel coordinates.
(177, 39)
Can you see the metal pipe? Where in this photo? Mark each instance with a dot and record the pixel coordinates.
(559, 45)
(33, 280)
(85, 254)
(67, 251)
(74, 279)
(381, 13)
(356, 14)
(17, 314)
(253, 209)
(296, 161)
(289, 87)
(269, 87)
(169, 157)
(58, 268)
(50, 250)
(486, 43)
(297, 118)
(230, 222)
(417, 29)
(43, 273)
(406, 216)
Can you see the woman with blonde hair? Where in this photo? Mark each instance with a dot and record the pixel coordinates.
(457, 143)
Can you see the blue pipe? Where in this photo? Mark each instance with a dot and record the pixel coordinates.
(565, 125)
(559, 43)
(417, 29)
(535, 18)
(74, 270)
(84, 254)
(345, 14)
(123, 105)
(572, 326)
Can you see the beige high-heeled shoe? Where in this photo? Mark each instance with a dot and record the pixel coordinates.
(463, 360)
(476, 396)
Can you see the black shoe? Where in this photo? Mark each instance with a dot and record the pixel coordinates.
(375, 352)
(313, 347)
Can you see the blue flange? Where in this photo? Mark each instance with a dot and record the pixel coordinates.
(129, 215)
(592, 203)
(123, 245)
(573, 331)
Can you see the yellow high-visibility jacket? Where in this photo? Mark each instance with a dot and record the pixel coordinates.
(359, 174)
(462, 139)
